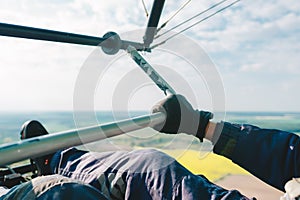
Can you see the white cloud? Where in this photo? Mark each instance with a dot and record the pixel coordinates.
(251, 67)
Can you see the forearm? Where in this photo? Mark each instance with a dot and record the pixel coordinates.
(224, 136)
(212, 133)
(210, 130)
(271, 155)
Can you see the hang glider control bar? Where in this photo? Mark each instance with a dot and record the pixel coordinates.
(43, 145)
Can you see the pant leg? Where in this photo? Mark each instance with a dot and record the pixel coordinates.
(53, 187)
(140, 174)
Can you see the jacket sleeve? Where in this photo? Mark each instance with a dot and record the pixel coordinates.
(271, 155)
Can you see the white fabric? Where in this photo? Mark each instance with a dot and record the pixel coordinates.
(292, 189)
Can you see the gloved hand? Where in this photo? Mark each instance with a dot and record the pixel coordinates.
(181, 117)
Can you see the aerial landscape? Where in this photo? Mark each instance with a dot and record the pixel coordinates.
(73, 64)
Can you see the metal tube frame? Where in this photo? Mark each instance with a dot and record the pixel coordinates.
(156, 11)
(43, 145)
(150, 71)
(57, 36)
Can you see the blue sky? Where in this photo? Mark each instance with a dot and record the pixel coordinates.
(254, 46)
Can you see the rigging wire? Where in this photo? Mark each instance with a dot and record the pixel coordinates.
(195, 16)
(145, 8)
(172, 16)
(196, 23)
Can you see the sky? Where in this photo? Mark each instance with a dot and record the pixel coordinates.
(253, 46)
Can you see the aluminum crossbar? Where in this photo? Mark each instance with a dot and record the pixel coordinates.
(43, 145)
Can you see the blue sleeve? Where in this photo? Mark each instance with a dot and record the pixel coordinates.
(271, 155)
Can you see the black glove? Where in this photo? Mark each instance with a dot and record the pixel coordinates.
(181, 117)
